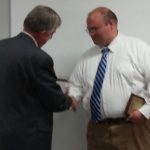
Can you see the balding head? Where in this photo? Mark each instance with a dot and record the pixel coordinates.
(106, 13)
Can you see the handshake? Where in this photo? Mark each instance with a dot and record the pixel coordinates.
(74, 104)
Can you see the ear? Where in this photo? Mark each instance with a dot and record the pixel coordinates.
(112, 24)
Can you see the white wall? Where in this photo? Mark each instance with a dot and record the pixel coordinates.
(71, 40)
(4, 19)
(70, 129)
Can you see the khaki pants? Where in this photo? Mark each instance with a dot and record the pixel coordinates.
(118, 136)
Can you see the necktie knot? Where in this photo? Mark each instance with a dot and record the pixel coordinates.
(105, 50)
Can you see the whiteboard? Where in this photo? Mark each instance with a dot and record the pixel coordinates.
(71, 40)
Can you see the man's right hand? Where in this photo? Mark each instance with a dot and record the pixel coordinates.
(74, 103)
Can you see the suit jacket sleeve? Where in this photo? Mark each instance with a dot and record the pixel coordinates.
(48, 91)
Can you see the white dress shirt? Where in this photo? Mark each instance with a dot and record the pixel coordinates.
(128, 71)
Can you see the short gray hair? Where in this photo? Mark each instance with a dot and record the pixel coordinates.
(42, 18)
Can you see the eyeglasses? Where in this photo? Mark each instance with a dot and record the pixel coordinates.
(91, 30)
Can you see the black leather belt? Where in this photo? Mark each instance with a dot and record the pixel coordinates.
(114, 120)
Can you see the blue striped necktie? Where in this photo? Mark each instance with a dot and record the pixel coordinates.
(96, 93)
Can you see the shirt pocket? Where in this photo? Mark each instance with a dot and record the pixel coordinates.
(125, 71)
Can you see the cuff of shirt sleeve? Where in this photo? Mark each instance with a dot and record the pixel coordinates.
(145, 110)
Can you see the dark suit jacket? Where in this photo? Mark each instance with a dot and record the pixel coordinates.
(29, 95)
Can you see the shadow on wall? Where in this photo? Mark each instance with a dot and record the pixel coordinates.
(69, 131)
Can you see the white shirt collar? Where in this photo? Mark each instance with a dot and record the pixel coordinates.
(111, 46)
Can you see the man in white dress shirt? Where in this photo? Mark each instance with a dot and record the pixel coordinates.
(128, 69)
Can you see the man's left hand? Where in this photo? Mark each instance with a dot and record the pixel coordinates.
(137, 117)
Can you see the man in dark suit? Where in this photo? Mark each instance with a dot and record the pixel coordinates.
(29, 93)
